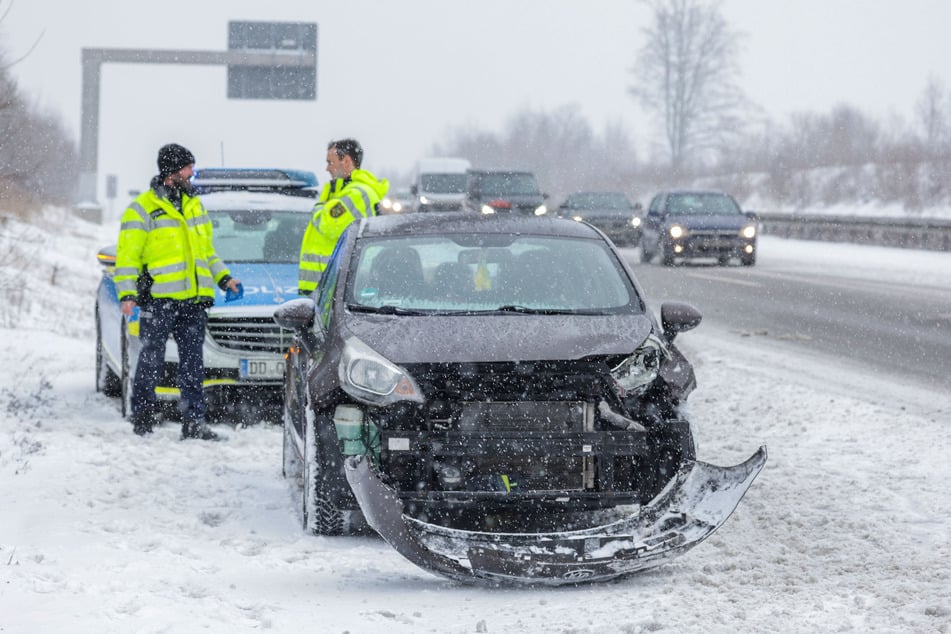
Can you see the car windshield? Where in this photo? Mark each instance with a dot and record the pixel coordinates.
(443, 183)
(467, 274)
(599, 200)
(708, 204)
(507, 184)
(258, 235)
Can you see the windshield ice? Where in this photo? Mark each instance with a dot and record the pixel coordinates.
(458, 273)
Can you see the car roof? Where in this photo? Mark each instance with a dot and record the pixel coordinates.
(481, 172)
(686, 190)
(462, 222)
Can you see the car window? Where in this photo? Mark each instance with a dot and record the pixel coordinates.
(328, 285)
(709, 204)
(502, 184)
(449, 273)
(258, 235)
(443, 183)
(599, 200)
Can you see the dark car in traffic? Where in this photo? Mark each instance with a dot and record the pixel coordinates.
(686, 223)
(501, 192)
(611, 212)
(497, 400)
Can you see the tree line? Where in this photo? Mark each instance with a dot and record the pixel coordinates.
(38, 157)
(686, 76)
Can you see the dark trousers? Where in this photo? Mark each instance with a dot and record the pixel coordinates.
(185, 321)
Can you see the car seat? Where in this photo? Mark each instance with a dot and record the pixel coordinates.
(397, 272)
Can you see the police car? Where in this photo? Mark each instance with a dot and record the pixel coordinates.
(259, 217)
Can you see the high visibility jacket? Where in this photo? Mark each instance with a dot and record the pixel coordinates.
(174, 247)
(341, 202)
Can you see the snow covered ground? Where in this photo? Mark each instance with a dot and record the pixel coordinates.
(848, 528)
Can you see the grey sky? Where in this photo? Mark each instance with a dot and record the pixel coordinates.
(398, 75)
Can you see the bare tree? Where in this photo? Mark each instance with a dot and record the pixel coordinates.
(932, 110)
(686, 74)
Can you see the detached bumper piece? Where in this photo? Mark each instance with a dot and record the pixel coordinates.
(695, 503)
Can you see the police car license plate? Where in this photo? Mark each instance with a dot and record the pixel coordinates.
(262, 369)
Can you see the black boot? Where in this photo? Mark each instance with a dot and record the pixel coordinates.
(142, 424)
(198, 429)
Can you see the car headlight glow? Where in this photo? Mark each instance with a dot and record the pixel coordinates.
(636, 221)
(397, 207)
(676, 231)
(488, 209)
(749, 231)
(639, 370)
(423, 200)
(541, 210)
(372, 379)
(578, 218)
(386, 203)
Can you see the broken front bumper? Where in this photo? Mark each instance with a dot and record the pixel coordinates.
(695, 503)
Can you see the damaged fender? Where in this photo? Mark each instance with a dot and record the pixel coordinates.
(694, 504)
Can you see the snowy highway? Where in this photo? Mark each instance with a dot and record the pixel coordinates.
(893, 317)
(848, 528)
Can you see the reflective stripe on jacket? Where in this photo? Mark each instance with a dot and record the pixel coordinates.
(174, 246)
(341, 202)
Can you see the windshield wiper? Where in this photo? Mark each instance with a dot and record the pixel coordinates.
(515, 308)
(386, 309)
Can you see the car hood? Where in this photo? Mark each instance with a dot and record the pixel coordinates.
(265, 284)
(696, 222)
(498, 338)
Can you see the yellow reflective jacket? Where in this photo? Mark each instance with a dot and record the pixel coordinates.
(174, 247)
(341, 202)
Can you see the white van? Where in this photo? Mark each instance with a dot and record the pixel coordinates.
(439, 184)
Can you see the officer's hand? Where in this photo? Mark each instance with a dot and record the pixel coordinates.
(127, 306)
(233, 284)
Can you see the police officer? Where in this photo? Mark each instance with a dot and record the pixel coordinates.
(167, 266)
(352, 193)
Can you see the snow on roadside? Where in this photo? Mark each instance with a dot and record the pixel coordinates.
(102, 531)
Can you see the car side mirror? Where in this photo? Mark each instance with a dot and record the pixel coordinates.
(414, 190)
(107, 258)
(677, 317)
(296, 314)
(544, 196)
(638, 207)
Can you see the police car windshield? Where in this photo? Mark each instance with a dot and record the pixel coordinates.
(258, 235)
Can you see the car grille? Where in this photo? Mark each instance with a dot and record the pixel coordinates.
(249, 334)
(522, 416)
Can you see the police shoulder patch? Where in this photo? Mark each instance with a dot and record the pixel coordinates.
(337, 209)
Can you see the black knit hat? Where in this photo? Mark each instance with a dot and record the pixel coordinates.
(173, 157)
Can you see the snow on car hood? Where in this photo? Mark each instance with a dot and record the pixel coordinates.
(496, 338)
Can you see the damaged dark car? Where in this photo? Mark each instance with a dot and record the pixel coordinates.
(496, 399)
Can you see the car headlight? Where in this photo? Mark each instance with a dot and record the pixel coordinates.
(640, 369)
(386, 203)
(423, 200)
(636, 221)
(397, 207)
(541, 210)
(676, 231)
(488, 209)
(578, 218)
(749, 231)
(372, 379)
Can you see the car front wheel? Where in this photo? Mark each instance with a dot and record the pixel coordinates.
(106, 380)
(126, 379)
(319, 514)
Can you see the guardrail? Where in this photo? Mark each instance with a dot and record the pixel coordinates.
(933, 234)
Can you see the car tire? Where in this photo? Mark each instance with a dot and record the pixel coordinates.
(666, 254)
(646, 256)
(125, 391)
(319, 515)
(106, 380)
(292, 467)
